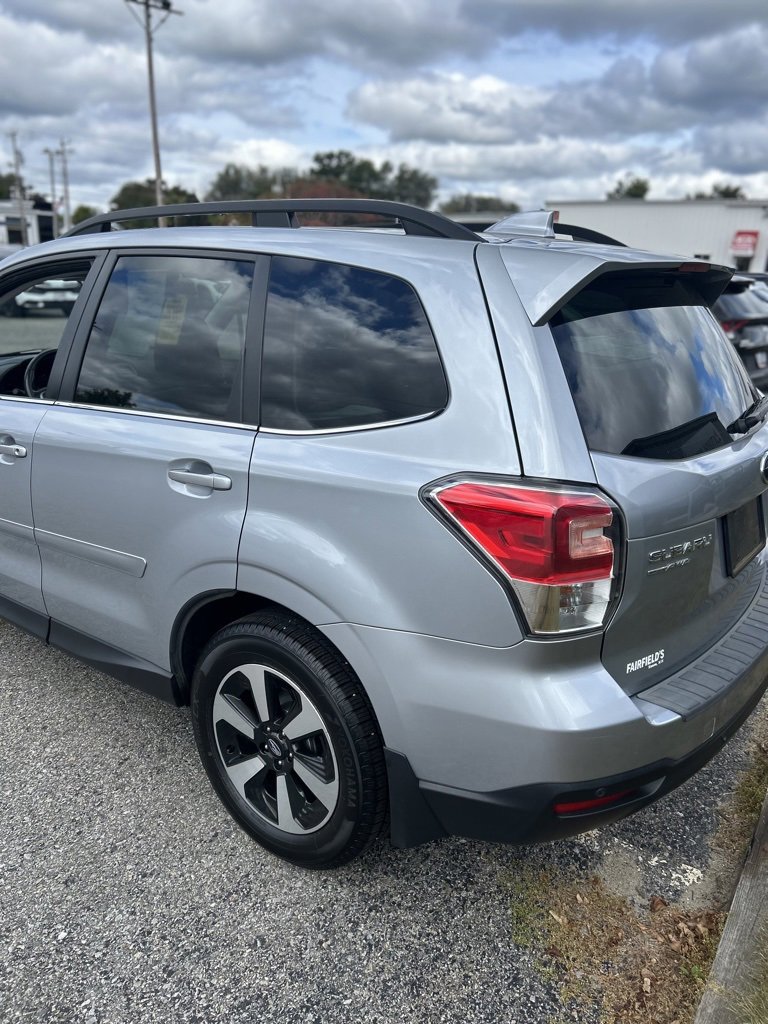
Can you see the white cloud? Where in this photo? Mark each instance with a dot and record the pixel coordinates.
(728, 73)
(272, 152)
(258, 32)
(451, 106)
(658, 20)
(674, 92)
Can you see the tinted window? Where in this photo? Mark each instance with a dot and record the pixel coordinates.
(345, 347)
(661, 382)
(169, 337)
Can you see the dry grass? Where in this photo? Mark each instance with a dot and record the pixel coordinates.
(603, 953)
(743, 809)
(752, 1005)
(637, 966)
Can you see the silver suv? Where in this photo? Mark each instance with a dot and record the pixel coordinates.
(463, 530)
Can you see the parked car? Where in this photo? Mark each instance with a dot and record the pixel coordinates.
(464, 534)
(45, 297)
(742, 310)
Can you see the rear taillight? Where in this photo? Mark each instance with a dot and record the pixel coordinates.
(556, 548)
(732, 328)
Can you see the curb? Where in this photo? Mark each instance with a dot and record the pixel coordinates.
(747, 919)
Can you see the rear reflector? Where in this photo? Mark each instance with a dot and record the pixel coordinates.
(555, 547)
(580, 806)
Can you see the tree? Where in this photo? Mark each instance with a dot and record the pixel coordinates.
(722, 191)
(7, 183)
(83, 212)
(412, 186)
(317, 188)
(467, 202)
(630, 188)
(403, 184)
(142, 193)
(237, 181)
(8, 187)
(135, 194)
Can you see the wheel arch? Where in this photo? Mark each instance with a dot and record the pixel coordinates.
(199, 619)
(205, 614)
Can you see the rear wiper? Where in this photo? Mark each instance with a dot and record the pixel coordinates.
(694, 437)
(755, 414)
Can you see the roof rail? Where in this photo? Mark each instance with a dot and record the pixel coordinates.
(281, 213)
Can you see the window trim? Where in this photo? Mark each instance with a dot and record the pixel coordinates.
(157, 415)
(378, 425)
(354, 428)
(246, 370)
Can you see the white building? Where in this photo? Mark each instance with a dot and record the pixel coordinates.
(39, 223)
(729, 231)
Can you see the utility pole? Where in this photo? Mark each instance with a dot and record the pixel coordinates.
(51, 154)
(63, 152)
(18, 160)
(166, 8)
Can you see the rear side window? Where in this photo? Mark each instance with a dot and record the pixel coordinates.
(658, 380)
(345, 347)
(168, 337)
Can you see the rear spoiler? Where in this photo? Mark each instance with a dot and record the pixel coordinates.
(546, 279)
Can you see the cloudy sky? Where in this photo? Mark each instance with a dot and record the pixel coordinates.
(529, 99)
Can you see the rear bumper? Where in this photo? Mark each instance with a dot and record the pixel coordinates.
(526, 814)
(483, 742)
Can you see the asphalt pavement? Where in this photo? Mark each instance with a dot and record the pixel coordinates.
(128, 895)
(21, 334)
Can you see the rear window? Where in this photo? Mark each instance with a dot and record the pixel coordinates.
(660, 381)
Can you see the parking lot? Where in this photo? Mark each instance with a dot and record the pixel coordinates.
(22, 334)
(128, 895)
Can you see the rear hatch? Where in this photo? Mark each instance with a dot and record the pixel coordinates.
(661, 397)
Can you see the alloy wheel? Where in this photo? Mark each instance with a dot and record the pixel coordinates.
(276, 749)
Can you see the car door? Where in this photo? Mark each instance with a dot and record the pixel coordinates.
(139, 481)
(42, 334)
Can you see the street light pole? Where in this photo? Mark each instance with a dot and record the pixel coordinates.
(166, 8)
(63, 153)
(52, 175)
(17, 162)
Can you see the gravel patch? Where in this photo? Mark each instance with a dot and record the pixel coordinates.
(128, 895)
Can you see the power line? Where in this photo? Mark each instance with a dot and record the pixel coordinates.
(165, 6)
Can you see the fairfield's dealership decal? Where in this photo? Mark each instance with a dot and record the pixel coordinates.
(649, 661)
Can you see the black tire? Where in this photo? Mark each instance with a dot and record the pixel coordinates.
(301, 676)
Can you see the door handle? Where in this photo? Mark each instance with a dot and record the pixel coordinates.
(215, 481)
(9, 447)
